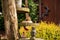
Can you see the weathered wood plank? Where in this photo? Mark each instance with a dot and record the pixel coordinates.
(29, 24)
(23, 10)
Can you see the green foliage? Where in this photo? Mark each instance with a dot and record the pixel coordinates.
(1, 18)
(21, 17)
(1, 22)
(33, 9)
(0, 6)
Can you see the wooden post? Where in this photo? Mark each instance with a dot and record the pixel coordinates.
(10, 19)
(27, 14)
(39, 17)
(33, 33)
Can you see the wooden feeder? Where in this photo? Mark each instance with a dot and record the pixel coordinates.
(20, 8)
(25, 10)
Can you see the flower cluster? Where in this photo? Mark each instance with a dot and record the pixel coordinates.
(45, 31)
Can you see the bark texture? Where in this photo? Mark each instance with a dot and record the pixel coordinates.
(10, 19)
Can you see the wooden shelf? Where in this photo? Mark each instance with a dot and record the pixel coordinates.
(23, 10)
(28, 24)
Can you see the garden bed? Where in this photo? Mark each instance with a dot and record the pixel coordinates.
(46, 31)
(29, 39)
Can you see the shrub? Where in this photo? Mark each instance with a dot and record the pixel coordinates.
(46, 31)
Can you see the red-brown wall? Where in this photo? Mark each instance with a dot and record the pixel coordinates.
(54, 7)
